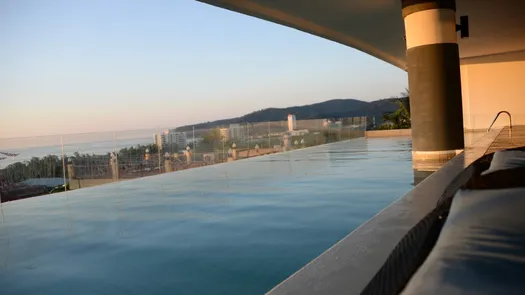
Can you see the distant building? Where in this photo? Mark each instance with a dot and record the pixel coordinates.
(291, 122)
(224, 133)
(160, 139)
(237, 133)
(178, 138)
(298, 132)
(169, 137)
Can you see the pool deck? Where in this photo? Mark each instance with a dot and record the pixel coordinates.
(348, 266)
(508, 138)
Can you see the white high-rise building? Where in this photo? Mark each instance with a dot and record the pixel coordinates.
(171, 137)
(178, 138)
(160, 139)
(291, 122)
(237, 133)
(157, 139)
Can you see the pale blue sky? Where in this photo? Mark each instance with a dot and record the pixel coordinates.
(80, 66)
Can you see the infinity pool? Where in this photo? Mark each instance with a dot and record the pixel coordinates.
(234, 228)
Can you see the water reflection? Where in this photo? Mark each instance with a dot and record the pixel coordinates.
(420, 175)
(424, 168)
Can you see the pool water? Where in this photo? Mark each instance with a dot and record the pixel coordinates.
(233, 228)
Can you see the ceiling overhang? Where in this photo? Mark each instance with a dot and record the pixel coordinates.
(376, 27)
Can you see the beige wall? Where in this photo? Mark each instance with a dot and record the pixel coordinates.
(388, 133)
(253, 153)
(491, 84)
(83, 183)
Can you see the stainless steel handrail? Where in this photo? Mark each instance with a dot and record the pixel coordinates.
(497, 116)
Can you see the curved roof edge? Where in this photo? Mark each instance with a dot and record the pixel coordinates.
(253, 9)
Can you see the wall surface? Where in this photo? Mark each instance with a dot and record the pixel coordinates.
(83, 183)
(491, 84)
(388, 133)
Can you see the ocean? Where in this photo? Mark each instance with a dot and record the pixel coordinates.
(98, 143)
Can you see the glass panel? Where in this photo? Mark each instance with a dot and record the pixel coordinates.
(90, 159)
(30, 167)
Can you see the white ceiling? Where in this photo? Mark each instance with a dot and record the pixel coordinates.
(376, 26)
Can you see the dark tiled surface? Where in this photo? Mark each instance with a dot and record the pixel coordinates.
(508, 138)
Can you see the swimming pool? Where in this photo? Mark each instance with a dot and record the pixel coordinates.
(233, 228)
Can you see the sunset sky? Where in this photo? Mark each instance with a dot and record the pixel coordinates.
(87, 66)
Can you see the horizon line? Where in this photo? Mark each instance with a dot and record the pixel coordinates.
(190, 124)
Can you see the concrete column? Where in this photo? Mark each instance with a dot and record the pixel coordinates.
(187, 153)
(434, 79)
(286, 142)
(168, 165)
(113, 164)
(234, 153)
(71, 172)
(230, 155)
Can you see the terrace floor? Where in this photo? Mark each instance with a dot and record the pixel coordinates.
(508, 138)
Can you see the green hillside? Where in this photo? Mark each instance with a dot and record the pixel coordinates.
(335, 108)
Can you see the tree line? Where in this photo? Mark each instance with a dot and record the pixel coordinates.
(50, 166)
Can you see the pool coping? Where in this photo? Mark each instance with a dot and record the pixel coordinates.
(348, 266)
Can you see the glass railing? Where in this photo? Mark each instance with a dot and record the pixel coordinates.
(481, 122)
(43, 165)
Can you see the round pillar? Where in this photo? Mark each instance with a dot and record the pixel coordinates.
(168, 163)
(234, 151)
(114, 166)
(70, 170)
(188, 155)
(434, 79)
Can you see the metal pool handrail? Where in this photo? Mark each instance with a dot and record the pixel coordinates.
(497, 116)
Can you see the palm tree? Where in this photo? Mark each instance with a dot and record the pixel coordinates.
(399, 119)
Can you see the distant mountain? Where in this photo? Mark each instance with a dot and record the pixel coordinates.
(335, 108)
